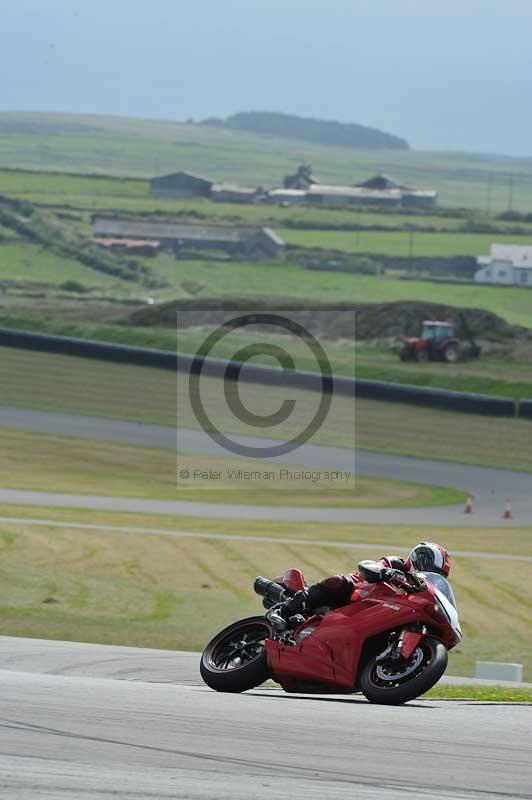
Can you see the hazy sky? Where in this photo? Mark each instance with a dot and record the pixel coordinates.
(445, 74)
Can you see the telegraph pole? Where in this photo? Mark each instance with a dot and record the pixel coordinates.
(488, 193)
(411, 247)
(510, 193)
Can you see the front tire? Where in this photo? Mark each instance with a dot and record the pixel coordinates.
(450, 354)
(380, 685)
(235, 660)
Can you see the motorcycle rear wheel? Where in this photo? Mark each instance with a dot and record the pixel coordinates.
(235, 660)
(397, 691)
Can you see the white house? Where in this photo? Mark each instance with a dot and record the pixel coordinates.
(507, 264)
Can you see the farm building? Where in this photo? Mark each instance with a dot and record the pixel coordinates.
(380, 190)
(352, 196)
(181, 238)
(507, 264)
(181, 185)
(287, 196)
(419, 198)
(409, 197)
(302, 179)
(141, 247)
(229, 193)
(380, 182)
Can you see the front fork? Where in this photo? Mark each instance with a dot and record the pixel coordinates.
(401, 647)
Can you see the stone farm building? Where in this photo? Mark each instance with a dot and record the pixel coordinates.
(229, 193)
(379, 190)
(187, 185)
(181, 186)
(507, 264)
(301, 187)
(244, 242)
(141, 247)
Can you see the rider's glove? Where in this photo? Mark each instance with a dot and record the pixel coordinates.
(288, 613)
(391, 574)
(419, 583)
(295, 605)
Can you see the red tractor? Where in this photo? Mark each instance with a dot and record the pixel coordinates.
(438, 342)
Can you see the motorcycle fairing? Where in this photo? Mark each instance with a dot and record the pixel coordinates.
(331, 654)
(411, 639)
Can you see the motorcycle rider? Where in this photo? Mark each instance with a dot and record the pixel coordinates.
(336, 590)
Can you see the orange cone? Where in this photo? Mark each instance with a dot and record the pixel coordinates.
(507, 510)
(469, 505)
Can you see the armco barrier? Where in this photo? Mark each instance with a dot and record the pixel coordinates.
(436, 398)
(269, 376)
(87, 348)
(525, 409)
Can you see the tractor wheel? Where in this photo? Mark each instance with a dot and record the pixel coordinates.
(422, 354)
(450, 354)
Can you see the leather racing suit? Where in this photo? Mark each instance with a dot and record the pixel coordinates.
(336, 590)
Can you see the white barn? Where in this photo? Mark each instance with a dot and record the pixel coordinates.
(507, 264)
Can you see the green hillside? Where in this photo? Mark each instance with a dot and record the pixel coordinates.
(310, 130)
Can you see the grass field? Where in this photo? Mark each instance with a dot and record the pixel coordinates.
(65, 464)
(402, 243)
(288, 280)
(65, 383)
(144, 148)
(22, 261)
(110, 586)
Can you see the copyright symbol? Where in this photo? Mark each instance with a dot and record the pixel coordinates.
(232, 374)
(184, 474)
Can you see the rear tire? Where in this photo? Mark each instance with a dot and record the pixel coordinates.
(395, 692)
(235, 660)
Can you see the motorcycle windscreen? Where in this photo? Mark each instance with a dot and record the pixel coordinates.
(442, 584)
(446, 598)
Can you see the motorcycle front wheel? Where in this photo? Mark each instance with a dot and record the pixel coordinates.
(390, 684)
(235, 660)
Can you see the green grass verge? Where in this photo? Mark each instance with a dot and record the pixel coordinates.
(65, 383)
(64, 464)
(514, 541)
(489, 375)
(488, 694)
(116, 587)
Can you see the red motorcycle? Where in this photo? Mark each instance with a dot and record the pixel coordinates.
(390, 642)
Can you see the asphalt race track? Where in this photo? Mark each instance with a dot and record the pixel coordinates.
(490, 486)
(94, 722)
